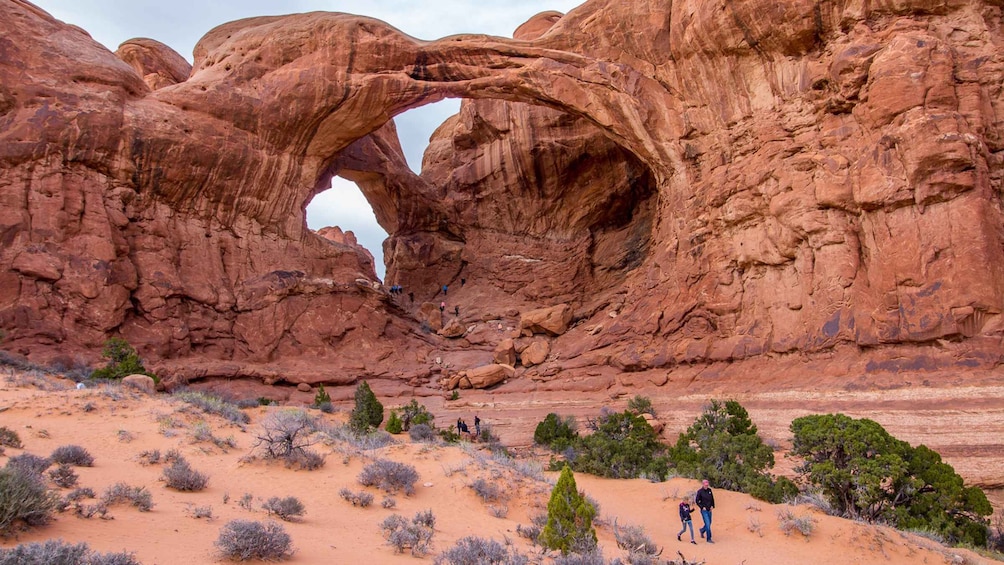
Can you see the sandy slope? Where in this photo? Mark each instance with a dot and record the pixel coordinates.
(116, 425)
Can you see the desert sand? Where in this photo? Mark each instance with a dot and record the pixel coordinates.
(117, 424)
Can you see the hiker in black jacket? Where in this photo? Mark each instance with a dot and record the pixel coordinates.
(705, 500)
(685, 511)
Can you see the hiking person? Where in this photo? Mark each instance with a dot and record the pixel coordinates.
(477, 425)
(442, 306)
(705, 500)
(460, 426)
(445, 288)
(685, 510)
(456, 310)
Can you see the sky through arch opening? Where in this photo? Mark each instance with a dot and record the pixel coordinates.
(344, 205)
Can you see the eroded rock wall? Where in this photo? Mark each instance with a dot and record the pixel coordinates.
(700, 181)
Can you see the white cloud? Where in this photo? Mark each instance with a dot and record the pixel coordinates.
(181, 23)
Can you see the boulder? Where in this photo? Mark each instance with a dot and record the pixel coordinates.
(480, 377)
(535, 353)
(505, 353)
(453, 329)
(552, 321)
(303, 387)
(142, 383)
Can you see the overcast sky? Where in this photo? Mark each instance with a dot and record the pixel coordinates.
(181, 23)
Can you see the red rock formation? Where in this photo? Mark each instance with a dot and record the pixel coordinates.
(701, 182)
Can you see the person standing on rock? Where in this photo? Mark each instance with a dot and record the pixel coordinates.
(442, 306)
(456, 310)
(685, 511)
(705, 500)
(445, 288)
(477, 425)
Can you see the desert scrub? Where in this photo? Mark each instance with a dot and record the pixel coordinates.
(288, 508)
(179, 475)
(63, 476)
(122, 492)
(361, 498)
(25, 499)
(488, 491)
(211, 404)
(788, 522)
(422, 432)
(243, 540)
(473, 550)
(59, 552)
(415, 535)
(72, 455)
(9, 438)
(389, 476)
(286, 435)
(29, 463)
(635, 541)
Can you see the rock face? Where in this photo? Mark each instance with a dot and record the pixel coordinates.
(705, 182)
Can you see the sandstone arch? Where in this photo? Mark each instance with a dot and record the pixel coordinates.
(806, 179)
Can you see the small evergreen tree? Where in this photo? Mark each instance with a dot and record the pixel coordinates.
(394, 425)
(641, 405)
(322, 396)
(624, 446)
(570, 516)
(723, 446)
(368, 412)
(413, 414)
(555, 433)
(122, 361)
(867, 473)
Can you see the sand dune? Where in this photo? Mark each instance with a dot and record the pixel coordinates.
(116, 425)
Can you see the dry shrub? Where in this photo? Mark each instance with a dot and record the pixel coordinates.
(25, 499)
(415, 535)
(72, 455)
(136, 496)
(63, 476)
(179, 475)
(288, 508)
(58, 552)
(473, 550)
(361, 499)
(243, 540)
(389, 476)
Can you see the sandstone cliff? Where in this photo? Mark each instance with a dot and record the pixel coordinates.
(699, 181)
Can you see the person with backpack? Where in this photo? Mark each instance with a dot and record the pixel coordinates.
(685, 511)
(705, 500)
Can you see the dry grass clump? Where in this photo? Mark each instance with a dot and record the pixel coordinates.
(635, 541)
(122, 492)
(488, 491)
(243, 540)
(214, 405)
(804, 524)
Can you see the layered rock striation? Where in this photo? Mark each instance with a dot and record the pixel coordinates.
(697, 181)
